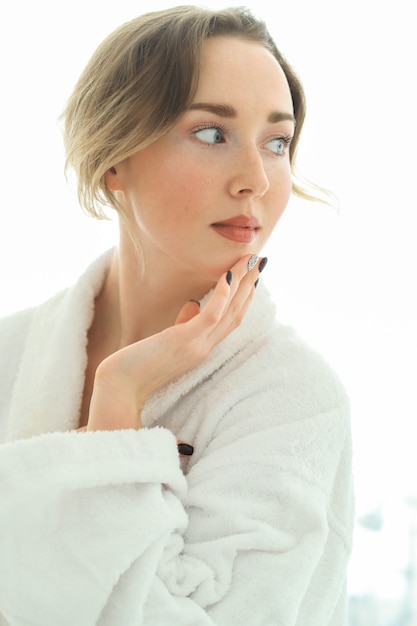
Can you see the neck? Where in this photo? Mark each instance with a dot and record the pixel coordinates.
(142, 296)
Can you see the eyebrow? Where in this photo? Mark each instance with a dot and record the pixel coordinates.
(225, 110)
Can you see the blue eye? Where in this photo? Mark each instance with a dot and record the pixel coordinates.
(211, 135)
(278, 145)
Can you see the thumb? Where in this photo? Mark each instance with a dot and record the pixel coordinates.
(188, 311)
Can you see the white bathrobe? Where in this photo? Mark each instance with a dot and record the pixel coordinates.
(112, 529)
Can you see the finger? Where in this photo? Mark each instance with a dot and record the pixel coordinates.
(230, 284)
(245, 277)
(249, 277)
(254, 266)
(243, 294)
(188, 311)
(240, 269)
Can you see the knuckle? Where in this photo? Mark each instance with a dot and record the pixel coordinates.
(238, 314)
(212, 318)
(239, 318)
(197, 351)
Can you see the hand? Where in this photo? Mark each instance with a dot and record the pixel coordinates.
(125, 379)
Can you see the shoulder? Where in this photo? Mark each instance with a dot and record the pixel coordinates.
(261, 363)
(15, 328)
(283, 389)
(275, 360)
(294, 365)
(13, 333)
(32, 338)
(283, 396)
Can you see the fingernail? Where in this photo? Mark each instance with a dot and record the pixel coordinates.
(185, 448)
(256, 282)
(229, 277)
(196, 301)
(252, 262)
(262, 264)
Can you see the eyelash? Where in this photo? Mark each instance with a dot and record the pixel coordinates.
(218, 127)
(286, 139)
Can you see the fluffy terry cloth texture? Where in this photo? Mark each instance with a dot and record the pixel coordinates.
(112, 529)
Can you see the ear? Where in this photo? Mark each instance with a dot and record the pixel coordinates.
(112, 179)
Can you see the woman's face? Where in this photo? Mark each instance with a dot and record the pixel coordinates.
(213, 188)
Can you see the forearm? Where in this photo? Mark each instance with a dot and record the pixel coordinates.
(75, 513)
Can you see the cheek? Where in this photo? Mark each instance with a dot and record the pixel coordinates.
(280, 190)
(191, 186)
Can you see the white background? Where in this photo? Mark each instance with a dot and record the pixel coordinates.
(346, 280)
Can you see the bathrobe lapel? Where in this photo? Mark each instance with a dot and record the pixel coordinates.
(48, 389)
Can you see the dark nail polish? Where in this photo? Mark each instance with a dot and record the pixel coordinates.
(229, 277)
(185, 448)
(262, 264)
(256, 282)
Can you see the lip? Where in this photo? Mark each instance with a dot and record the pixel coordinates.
(241, 228)
(241, 221)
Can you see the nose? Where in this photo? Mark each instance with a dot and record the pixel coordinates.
(248, 177)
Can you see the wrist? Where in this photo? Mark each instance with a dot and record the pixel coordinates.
(113, 409)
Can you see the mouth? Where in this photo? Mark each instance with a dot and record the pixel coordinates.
(241, 228)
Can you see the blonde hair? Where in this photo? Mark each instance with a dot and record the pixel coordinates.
(138, 83)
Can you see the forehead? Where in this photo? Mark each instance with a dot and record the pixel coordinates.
(238, 68)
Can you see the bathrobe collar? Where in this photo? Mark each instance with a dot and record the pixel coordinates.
(48, 389)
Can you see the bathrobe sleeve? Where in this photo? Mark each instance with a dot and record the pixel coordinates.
(103, 528)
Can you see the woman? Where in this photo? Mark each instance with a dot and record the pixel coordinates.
(186, 122)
